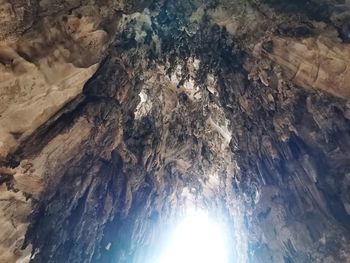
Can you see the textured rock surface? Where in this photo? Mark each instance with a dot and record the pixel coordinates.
(315, 63)
(240, 107)
(48, 50)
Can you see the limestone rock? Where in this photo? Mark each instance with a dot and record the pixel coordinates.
(314, 63)
(116, 116)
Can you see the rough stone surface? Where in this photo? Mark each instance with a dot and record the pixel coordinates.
(241, 107)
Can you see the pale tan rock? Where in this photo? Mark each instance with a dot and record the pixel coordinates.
(30, 96)
(47, 53)
(14, 210)
(315, 63)
(44, 68)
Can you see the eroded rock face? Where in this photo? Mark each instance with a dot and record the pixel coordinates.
(48, 50)
(240, 107)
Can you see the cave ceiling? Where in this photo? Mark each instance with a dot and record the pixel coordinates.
(116, 116)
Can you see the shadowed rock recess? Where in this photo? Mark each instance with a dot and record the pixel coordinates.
(117, 115)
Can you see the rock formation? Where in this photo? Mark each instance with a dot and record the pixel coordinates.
(117, 115)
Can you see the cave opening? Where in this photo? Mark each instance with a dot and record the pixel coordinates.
(196, 238)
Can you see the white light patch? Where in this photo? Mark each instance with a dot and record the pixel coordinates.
(144, 106)
(197, 239)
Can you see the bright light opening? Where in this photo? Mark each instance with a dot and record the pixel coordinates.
(197, 239)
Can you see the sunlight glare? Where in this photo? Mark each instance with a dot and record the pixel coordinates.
(197, 239)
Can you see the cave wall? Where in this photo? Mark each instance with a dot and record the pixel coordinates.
(116, 116)
(49, 49)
